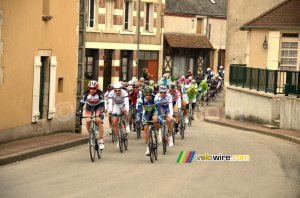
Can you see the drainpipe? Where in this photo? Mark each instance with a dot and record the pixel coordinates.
(138, 46)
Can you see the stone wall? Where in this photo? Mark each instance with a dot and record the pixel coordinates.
(290, 113)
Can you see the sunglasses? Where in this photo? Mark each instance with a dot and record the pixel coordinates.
(93, 88)
(148, 94)
(118, 90)
(163, 92)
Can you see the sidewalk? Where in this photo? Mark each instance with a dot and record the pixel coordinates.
(216, 115)
(32, 147)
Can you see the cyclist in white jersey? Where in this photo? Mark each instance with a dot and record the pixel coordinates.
(118, 101)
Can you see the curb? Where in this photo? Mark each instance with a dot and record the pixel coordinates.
(277, 135)
(41, 151)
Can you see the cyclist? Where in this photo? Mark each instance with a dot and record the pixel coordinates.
(176, 99)
(209, 74)
(133, 96)
(203, 87)
(192, 93)
(221, 72)
(95, 104)
(118, 101)
(156, 89)
(142, 80)
(166, 105)
(148, 109)
(109, 88)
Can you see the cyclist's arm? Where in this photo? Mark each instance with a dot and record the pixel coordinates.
(139, 109)
(126, 103)
(179, 101)
(171, 107)
(157, 105)
(83, 99)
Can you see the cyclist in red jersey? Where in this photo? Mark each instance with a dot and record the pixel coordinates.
(133, 96)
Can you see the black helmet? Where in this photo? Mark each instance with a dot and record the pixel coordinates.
(148, 90)
(110, 87)
(172, 87)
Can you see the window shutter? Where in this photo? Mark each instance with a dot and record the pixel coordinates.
(36, 88)
(52, 86)
(273, 50)
(151, 17)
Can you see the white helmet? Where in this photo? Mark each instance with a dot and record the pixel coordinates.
(186, 86)
(93, 84)
(193, 81)
(142, 79)
(190, 78)
(183, 77)
(208, 69)
(221, 67)
(130, 82)
(118, 85)
(134, 80)
(129, 88)
(216, 75)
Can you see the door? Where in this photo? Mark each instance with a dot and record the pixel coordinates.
(107, 72)
(153, 69)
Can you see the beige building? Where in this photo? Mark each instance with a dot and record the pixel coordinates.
(122, 38)
(240, 12)
(38, 67)
(258, 92)
(195, 36)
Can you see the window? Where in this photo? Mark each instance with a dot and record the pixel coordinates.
(109, 14)
(199, 26)
(128, 16)
(179, 66)
(289, 54)
(91, 13)
(89, 68)
(149, 17)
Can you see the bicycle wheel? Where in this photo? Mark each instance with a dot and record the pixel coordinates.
(155, 145)
(92, 145)
(190, 116)
(182, 128)
(164, 139)
(125, 140)
(138, 132)
(99, 152)
(121, 140)
(113, 136)
(173, 132)
(208, 98)
(150, 145)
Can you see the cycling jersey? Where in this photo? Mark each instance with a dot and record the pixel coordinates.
(92, 100)
(118, 100)
(147, 108)
(134, 96)
(192, 95)
(166, 103)
(203, 89)
(176, 98)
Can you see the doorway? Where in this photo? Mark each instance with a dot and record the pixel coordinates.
(107, 69)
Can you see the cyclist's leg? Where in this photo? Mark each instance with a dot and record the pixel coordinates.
(116, 110)
(89, 112)
(126, 120)
(98, 121)
(184, 105)
(134, 117)
(175, 108)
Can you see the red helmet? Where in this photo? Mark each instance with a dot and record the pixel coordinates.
(93, 84)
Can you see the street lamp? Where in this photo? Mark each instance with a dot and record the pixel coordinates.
(265, 44)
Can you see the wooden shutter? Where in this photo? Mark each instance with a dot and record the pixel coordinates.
(199, 26)
(273, 50)
(36, 88)
(151, 17)
(52, 86)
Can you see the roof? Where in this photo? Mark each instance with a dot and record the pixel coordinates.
(182, 40)
(198, 7)
(284, 15)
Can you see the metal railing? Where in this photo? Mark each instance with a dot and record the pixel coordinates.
(269, 81)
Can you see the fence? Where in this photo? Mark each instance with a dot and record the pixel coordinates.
(271, 81)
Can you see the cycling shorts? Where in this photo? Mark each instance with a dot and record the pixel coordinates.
(147, 116)
(90, 110)
(117, 109)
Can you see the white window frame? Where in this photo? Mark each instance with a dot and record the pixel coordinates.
(130, 15)
(297, 57)
(150, 15)
(109, 14)
(94, 11)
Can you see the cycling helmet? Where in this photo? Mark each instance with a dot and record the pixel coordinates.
(193, 81)
(135, 85)
(130, 82)
(190, 78)
(172, 87)
(117, 85)
(129, 88)
(134, 80)
(151, 82)
(142, 79)
(221, 67)
(161, 82)
(156, 87)
(216, 75)
(163, 88)
(93, 84)
(147, 82)
(148, 90)
(208, 69)
(183, 77)
(110, 87)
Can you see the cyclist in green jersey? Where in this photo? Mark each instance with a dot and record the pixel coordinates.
(192, 93)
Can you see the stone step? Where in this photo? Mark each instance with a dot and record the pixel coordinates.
(270, 126)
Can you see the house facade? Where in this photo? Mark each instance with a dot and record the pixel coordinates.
(122, 38)
(274, 38)
(38, 67)
(194, 36)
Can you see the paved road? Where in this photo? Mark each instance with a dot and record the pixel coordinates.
(273, 169)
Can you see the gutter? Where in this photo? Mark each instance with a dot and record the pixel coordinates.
(267, 27)
(138, 44)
